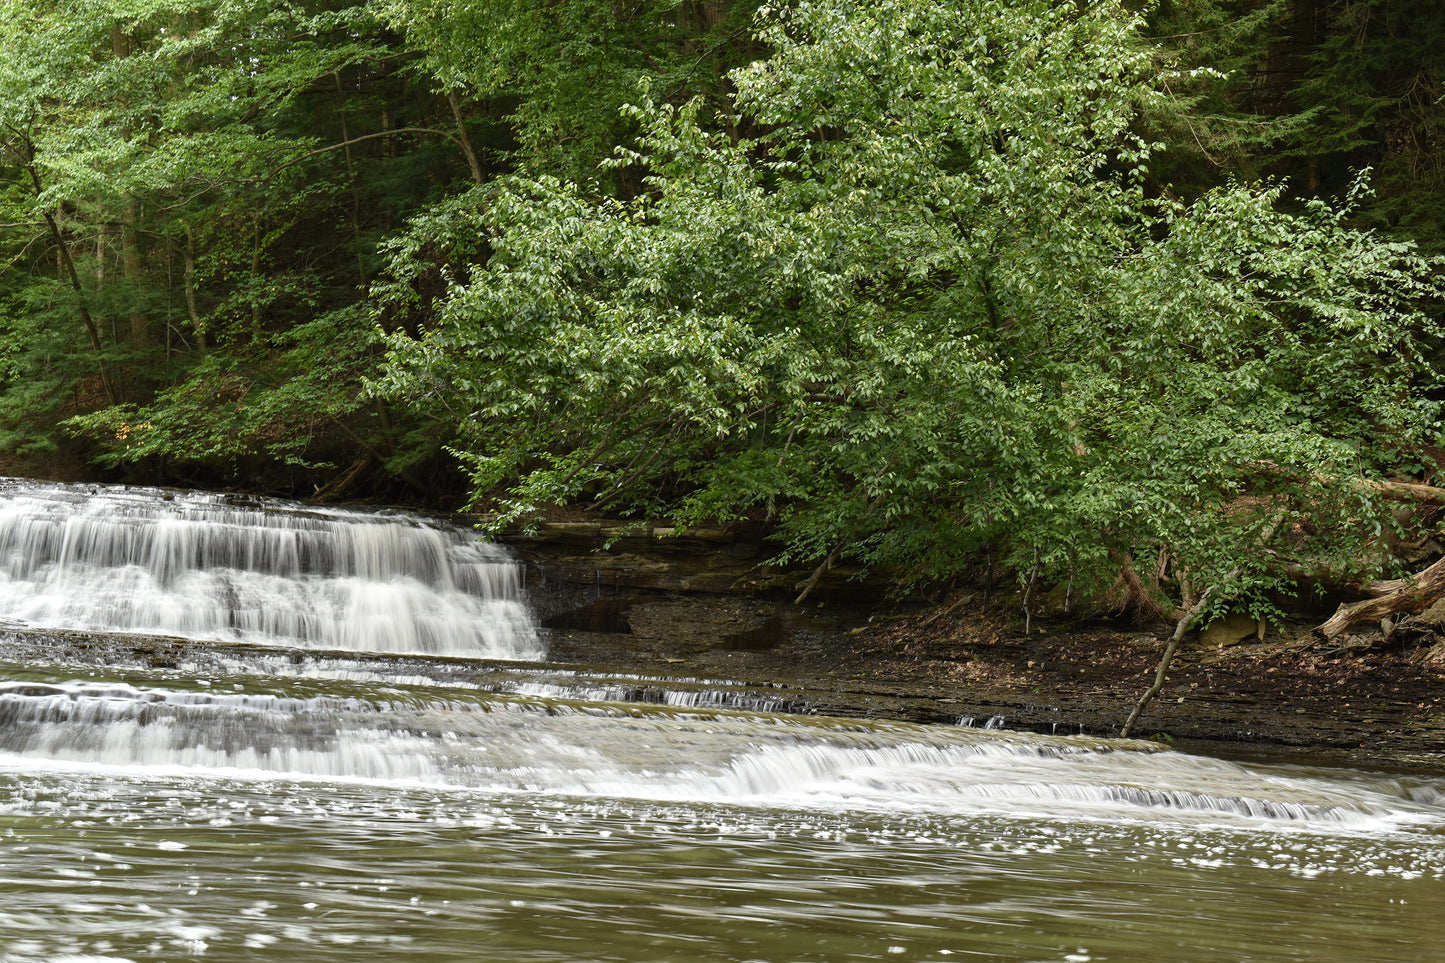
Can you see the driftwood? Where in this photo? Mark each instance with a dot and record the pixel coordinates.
(1391, 597)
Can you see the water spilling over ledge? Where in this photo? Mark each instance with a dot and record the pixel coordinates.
(421, 735)
(208, 566)
(341, 734)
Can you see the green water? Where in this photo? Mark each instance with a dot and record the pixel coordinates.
(761, 842)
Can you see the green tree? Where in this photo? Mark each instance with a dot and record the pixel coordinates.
(1375, 85)
(931, 308)
(193, 196)
(1227, 95)
(561, 71)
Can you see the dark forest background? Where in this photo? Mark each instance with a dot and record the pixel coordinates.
(243, 242)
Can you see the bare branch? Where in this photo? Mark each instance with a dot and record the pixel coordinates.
(342, 145)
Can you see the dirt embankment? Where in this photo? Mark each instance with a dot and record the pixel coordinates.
(1378, 704)
(700, 614)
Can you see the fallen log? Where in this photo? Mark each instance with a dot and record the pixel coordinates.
(347, 480)
(1413, 491)
(1391, 597)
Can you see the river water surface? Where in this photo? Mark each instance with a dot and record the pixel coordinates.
(362, 754)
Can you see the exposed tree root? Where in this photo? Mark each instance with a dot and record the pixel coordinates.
(1129, 592)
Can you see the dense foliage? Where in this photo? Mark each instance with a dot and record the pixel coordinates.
(1081, 291)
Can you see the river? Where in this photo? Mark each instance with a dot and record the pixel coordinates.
(336, 736)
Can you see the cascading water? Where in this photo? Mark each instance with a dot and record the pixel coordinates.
(349, 756)
(213, 567)
(498, 743)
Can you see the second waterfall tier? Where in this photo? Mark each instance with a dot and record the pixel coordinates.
(244, 570)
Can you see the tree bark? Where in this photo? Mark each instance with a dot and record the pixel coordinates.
(465, 139)
(132, 259)
(255, 279)
(807, 584)
(132, 262)
(188, 275)
(351, 178)
(67, 266)
(1391, 597)
(1165, 661)
(91, 329)
(1411, 490)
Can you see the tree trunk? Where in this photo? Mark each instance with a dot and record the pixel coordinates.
(67, 266)
(188, 275)
(132, 263)
(256, 280)
(68, 263)
(1165, 661)
(1392, 597)
(351, 177)
(465, 139)
(812, 580)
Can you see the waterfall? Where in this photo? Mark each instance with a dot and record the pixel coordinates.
(314, 593)
(226, 568)
(425, 736)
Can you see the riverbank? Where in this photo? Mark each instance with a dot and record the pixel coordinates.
(969, 661)
(1279, 691)
(628, 601)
